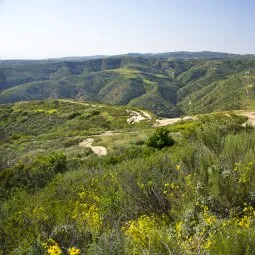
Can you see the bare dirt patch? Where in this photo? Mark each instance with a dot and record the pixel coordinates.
(251, 117)
(108, 133)
(165, 122)
(136, 117)
(98, 150)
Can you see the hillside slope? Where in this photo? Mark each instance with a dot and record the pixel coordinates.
(168, 87)
(29, 128)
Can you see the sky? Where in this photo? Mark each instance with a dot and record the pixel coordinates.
(36, 29)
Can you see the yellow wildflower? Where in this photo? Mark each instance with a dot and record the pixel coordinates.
(74, 251)
(54, 250)
(208, 244)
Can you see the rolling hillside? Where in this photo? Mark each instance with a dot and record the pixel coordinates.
(30, 128)
(165, 85)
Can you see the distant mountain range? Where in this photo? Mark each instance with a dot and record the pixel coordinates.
(174, 54)
(169, 84)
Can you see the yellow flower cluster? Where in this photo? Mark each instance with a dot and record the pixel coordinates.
(188, 180)
(145, 230)
(245, 221)
(178, 167)
(178, 229)
(74, 251)
(200, 239)
(248, 218)
(88, 195)
(54, 250)
(208, 218)
(86, 210)
(140, 229)
(195, 243)
(89, 214)
(170, 189)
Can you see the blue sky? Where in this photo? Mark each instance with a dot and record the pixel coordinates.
(58, 28)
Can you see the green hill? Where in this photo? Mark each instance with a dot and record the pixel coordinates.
(60, 125)
(167, 87)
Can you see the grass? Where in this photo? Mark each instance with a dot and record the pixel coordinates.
(122, 140)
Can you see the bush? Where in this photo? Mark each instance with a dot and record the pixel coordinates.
(31, 174)
(234, 241)
(160, 139)
(73, 115)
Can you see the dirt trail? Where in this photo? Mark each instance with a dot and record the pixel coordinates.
(136, 117)
(146, 114)
(251, 117)
(73, 102)
(99, 150)
(165, 122)
(108, 133)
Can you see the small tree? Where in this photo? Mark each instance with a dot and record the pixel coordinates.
(160, 139)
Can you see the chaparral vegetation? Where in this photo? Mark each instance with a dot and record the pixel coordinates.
(187, 188)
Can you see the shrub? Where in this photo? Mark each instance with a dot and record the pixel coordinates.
(16, 136)
(234, 241)
(31, 174)
(160, 139)
(73, 115)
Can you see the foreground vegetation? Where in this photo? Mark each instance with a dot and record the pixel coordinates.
(193, 195)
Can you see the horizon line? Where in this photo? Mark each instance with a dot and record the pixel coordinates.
(121, 54)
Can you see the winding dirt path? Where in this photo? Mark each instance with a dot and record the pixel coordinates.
(108, 133)
(136, 117)
(98, 150)
(73, 102)
(251, 117)
(165, 122)
(146, 114)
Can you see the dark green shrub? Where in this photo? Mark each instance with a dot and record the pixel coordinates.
(160, 139)
(71, 142)
(15, 136)
(73, 115)
(31, 174)
(215, 128)
(140, 142)
(94, 113)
